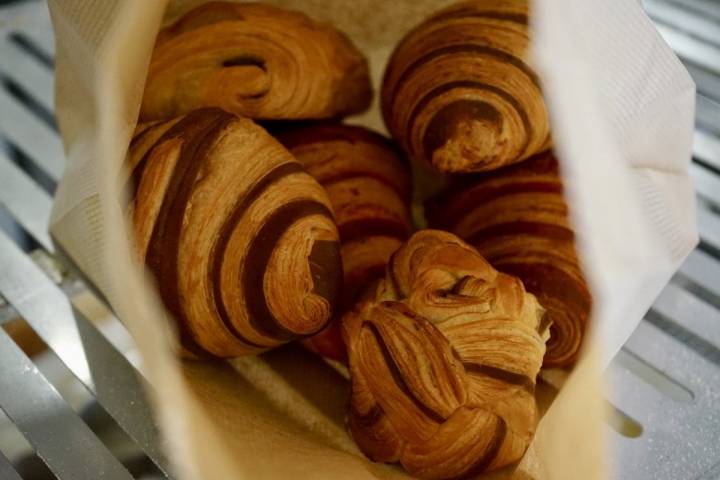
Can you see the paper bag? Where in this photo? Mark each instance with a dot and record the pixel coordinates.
(622, 111)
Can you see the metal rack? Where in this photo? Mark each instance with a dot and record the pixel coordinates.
(79, 411)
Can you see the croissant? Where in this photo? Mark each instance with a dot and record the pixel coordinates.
(458, 92)
(240, 239)
(517, 219)
(443, 362)
(255, 60)
(368, 183)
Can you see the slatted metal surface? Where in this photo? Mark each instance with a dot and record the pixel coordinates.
(67, 441)
(666, 379)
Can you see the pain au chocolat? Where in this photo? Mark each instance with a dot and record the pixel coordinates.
(368, 183)
(240, 239)
(458, 91)
(518, 220)
(443, 362)
(254, 60)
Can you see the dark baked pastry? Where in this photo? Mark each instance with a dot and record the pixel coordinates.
(443, 362)
(240, 239)
(517, 219)
(254, 60)
(368, 183)
(459, 93)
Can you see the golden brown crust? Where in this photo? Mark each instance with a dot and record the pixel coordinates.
(517, 219)
(239, 238)
(458, 92)
(254, 60)
(443, 362)
(368, 183)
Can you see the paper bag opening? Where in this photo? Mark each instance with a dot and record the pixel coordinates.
(624, 149)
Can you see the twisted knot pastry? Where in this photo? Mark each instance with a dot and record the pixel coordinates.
(518, 220)
(254, 60)
(368, 183)
(458, 93)
(240, 239)
(443, 362)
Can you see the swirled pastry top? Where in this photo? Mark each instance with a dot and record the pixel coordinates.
(517, 218)
(368, 183)
(443, 362)
(459, 93)
(240, 239)
(255, 60)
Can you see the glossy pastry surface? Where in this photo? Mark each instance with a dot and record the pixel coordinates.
(254, 60)
(240, 239)
(517, 218)
(368, 183)
(459, 93)
(443, 362)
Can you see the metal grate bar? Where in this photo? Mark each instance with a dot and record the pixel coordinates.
(707, 148)
(30, 24)
(703, 269)
(7, 472)
(706, 183)
(708, 8)
(634, 405)
(26, 201)
(694, 342)
(31, 136)
(678, 436)
(691, 49)
(709, 224)
(60, 438)
(40, 35)
(28, 72)
(690, 312)
(707, 83)
(707, 113)
(684, 20)
(86, 352)
(43, 54)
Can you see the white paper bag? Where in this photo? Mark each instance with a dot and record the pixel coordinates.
(622, 111)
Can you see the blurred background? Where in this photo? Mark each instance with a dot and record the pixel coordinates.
(70, 384)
